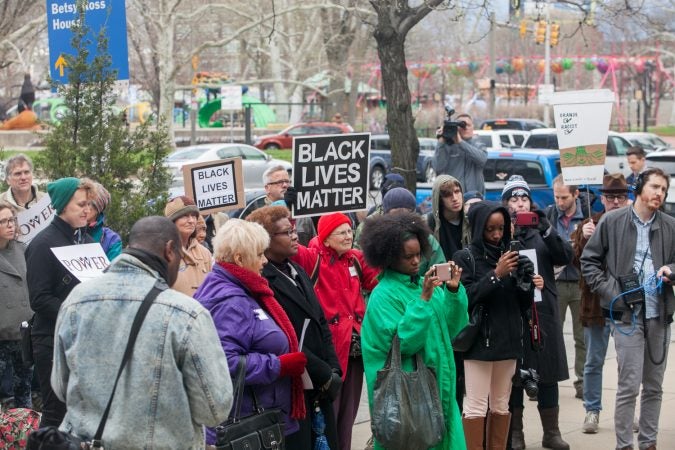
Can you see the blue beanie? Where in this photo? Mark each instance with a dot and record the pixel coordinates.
(61, 191)
(398, 198)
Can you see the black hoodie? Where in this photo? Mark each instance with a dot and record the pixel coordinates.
(501, 331)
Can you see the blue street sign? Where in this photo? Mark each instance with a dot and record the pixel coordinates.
(107, 15)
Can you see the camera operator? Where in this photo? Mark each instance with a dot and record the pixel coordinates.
(463, 158)
(642, 238)
(548, 358)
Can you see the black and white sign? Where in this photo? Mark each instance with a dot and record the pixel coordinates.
(330, 173)
(84, 261)
(32, 221)
(215, 185)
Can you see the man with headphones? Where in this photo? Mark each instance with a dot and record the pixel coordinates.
(627, 256)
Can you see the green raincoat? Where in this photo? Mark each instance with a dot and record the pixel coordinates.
(396, 305)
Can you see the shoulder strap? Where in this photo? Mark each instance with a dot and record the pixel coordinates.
(358, 268)
(135, 328)
(314, 277)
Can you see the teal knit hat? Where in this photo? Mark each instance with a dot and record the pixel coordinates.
(61, 191)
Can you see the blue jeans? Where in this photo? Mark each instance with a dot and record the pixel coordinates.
(596, 339)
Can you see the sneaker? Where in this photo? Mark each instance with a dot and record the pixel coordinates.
(590, 425)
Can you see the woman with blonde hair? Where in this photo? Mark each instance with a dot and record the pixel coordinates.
(251, 323)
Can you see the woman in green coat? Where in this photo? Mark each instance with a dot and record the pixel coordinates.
(425, 312)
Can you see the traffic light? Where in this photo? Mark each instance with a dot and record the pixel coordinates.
(540, 32)
(523, 29)
(555, 34)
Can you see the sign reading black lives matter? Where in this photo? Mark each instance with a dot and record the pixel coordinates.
(330, 173)
(215, 185)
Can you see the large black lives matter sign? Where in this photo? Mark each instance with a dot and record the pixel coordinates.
(330, 173)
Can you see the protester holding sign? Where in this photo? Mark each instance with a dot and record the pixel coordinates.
(14, 306)
(340, 274)
(109, 240)
(19, 175)
(49, 282)
(196, 259)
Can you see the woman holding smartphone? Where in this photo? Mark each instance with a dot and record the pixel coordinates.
(549, 359)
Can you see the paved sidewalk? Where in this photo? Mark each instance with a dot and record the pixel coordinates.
(571, 410)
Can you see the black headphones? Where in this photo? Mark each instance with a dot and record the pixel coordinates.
(644, 176)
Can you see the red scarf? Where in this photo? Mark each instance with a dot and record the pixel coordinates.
(261, 292)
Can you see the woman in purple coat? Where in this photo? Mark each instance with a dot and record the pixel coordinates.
(251, 322)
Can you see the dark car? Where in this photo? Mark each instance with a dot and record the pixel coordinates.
(512, 124)
(380, 159)
(284, 139)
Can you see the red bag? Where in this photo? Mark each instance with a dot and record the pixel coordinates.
(15, 426)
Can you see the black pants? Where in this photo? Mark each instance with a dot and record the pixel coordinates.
(53, 410)
(304, 438)
(547, 397)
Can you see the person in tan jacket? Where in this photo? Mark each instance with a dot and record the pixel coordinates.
(195, 258)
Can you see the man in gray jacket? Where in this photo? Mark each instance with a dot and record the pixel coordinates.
(177, 379)
(463, 159)
(636, 242)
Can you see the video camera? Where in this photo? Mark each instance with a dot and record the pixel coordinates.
(450, 127)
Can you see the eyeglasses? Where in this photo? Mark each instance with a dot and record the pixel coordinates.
(280, 182)
(343, 234)
(611, 197)
(290, 232)
(6, 222)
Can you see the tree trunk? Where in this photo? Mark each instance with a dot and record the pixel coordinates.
(400, 122)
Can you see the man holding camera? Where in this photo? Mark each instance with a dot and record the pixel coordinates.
(636, 246)
(459, 156)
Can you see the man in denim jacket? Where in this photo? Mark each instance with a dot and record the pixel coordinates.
(177, 379)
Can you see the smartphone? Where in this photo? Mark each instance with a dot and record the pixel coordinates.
(514, 246)
(527, 219)
(443, 271)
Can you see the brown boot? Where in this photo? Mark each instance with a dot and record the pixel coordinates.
(497, 431)
(517, 435)
(473, 432)
(552, 438)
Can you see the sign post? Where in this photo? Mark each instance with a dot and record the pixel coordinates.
(107, 16)
(331, 173)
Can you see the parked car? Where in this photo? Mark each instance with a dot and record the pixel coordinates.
(512, 124)
(538, 167)
(254, 162)
(497, 139)
(284, 139)
(648, 141)
(615, 161)
(381, 162)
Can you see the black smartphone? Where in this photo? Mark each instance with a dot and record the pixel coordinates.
(514, 246)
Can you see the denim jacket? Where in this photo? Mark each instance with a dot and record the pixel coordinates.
(176, 381)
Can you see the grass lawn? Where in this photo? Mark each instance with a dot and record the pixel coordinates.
(8, 153)
(283, 154)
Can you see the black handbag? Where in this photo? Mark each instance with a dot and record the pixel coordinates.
(407, 412)
(51, 438)
(468, 335)
(263, 430)
(26, 342)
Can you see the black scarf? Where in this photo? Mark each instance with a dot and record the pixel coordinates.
(151, 260)
(493, 253)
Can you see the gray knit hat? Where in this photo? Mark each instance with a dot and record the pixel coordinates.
(516, 186)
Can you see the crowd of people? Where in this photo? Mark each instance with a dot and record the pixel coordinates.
(308, 310)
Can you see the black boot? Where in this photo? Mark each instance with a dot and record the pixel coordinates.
(552, 438)
(517, 436)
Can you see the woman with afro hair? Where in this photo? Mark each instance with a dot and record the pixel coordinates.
(425, 312)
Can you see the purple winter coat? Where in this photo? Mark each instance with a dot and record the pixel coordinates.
(244, 328)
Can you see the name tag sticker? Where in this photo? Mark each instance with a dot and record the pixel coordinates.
(352, 271)
(260, 314)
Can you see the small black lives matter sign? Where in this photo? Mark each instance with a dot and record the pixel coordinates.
(330, 173)
(215, 185)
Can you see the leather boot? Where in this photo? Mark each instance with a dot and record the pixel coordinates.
(552, 438)
(473, 432)
(497, 431)
(517, 435)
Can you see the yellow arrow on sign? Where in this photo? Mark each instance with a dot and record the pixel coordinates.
(60, 64)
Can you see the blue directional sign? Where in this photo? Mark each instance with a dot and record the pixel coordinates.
(108, 16)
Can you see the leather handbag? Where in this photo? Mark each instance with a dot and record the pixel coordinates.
(54, 439)
(406, 412)
(468, 335)
(263, 430)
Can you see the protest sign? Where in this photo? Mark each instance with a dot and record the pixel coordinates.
(84, 261)
(32, 221)
(215, 185)
(582, 125)
(330, 173)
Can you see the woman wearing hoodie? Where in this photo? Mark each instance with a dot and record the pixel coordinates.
(497, 280)
(109, 240)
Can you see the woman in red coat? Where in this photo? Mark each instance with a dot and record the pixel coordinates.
(340, 275)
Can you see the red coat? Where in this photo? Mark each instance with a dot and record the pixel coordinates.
(338, 288)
